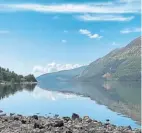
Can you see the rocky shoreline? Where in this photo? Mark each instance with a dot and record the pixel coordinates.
(75, 124)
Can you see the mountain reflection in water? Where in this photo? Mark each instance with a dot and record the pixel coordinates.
(121, 97)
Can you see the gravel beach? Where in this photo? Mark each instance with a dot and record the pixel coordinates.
(56, 124)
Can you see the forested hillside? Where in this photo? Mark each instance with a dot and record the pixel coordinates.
(9, 76)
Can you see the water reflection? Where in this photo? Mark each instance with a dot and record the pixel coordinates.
(121, 97)
(58, 98)
(7, 90)
(51, 95)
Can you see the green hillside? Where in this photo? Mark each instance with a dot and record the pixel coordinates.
(120, 64)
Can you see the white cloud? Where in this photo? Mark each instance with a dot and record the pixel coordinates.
(52, 67)
(94, 17)
(95, 36)
(117, 6)
(84, 31)
(38, 69)
(64, 41)
(4, 31)
(130, 30)
(89, 34)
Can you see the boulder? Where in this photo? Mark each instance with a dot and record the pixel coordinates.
(38, 125)
(11, 114)
(16, 118)
(107, 120)
(75, 116)
(66, 118)
(56, 116)
(58, 123)
(35, 117)
(129, 127)
(24, 121)
(87, 119)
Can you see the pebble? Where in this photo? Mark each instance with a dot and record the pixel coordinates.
(75, 124)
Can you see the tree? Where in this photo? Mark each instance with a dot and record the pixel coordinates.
(11, 76)
(30, 78)
(12, 80)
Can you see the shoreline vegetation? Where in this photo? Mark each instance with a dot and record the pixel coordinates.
(21, 83)
(75, 124)
(8, 77)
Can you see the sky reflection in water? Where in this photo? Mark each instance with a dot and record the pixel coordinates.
(45, 102)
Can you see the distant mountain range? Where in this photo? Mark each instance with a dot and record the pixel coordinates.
(120, 64)
(64, 75)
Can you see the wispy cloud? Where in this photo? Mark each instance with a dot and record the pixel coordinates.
(4, 31)
(130, 30)
(64, 41)
(94, 17)
(118, 6)
(53, 67)
(89, 34)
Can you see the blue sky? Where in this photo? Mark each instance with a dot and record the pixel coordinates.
(62, 34)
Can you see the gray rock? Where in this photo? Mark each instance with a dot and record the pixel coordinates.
(24, 121)
(11, 114)
(56, 116)
(3, 114)
(35, 117)
(16, 118)
(129, 127)
(58, 123)
(66, 118)
(75, 116)
(2, 127)
(38, 125)
(87, 119)
(22, 124)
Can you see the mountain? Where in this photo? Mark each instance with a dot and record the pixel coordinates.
(120, 64)
(61, 75)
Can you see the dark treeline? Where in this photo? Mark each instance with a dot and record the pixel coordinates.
(10, 76)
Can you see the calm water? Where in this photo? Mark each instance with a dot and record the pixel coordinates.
(119, 102)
